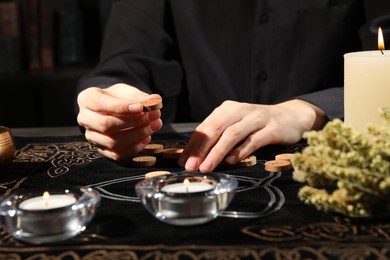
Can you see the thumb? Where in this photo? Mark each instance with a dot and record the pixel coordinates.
(97, 100)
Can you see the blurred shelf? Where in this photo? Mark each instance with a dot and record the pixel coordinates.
(39, 77)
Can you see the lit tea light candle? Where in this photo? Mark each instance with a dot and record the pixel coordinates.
(187, 198)
(47, 201)
(187, 187)
(366, 85)
(47, 218)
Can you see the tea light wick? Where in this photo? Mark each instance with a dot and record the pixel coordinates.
(186, 183)
(381, 41)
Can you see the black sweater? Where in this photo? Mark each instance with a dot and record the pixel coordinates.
(245, 50)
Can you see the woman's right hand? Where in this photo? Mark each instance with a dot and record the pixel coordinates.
(114, 119)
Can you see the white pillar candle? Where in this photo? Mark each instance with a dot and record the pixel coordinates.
(367, 87)
(46, 203)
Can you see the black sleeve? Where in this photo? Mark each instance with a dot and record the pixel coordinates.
(331, 101)
(138, 49)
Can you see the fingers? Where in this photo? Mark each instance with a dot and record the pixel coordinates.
(233, 132)
(232, 136)
(205, 151)
(107, 123)
(196, 150)
(237, 142)
(115, 121)
(125, 152)
(121, 145)
(208, 134)
(99, 100)
(251, 143)
(101, 109)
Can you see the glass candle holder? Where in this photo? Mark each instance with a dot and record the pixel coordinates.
(187, 198)
(36, 219)
(7, 146)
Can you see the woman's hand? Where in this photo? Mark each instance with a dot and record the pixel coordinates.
(114, 119)
(235, 130)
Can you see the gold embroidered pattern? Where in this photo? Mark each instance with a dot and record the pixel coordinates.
(72, 155)
(327, 231)
(62, 156)
(193, 252)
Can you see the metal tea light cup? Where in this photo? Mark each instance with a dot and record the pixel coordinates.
(7, 146)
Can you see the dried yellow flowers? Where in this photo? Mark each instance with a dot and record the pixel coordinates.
(346, 171)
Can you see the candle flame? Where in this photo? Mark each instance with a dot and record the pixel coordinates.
(46, 196)
(186, 182)
(381, 41)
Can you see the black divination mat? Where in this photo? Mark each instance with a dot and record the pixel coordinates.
(122, 228)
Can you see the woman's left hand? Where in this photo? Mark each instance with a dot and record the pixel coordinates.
(235, 130)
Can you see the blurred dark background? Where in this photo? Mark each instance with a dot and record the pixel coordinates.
(47, 45)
